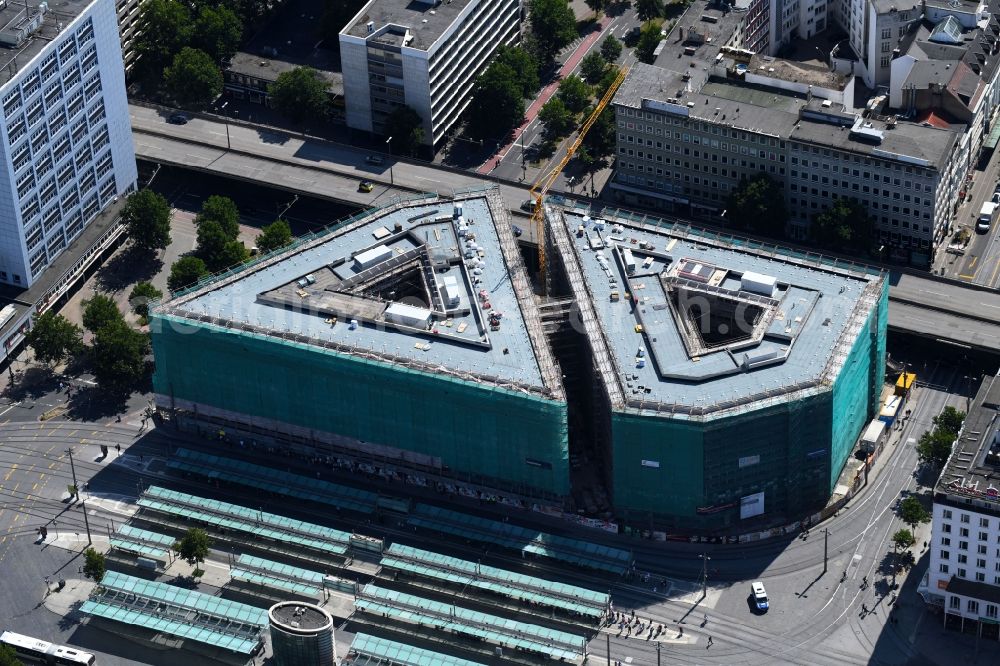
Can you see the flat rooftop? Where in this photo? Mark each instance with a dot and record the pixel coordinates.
(431, 284)
(424, 21)
(779, 113)
(974, 467)
(20, 16)
(696, 326)
(300, 617)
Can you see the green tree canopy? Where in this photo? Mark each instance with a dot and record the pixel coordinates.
(649, 9)
(600, 140)
(597, 5)
(525, 67)
(140, 297)
(274, 236)
(195, 545)
(223, 211)
(186, 271)
(758, 204)
(558, 120)
(903, 539)
(53, 338)
(843, 225)
(497, 105)
(950, 420)
(553, 25)
(99, 311)
(592, 67)
(406, 128)
(8, 657)
(934, 447)
(163, 29)
(146, 216)
(912, 512)
(300, 94)
(611, 48)
(118, 357)
(574, 93)
(94, 564)
(193, 80)
(213, 245)
(649, 39)
(217, 31)
(607, 80)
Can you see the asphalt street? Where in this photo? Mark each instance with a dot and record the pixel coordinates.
(814, 618)
(980, 261)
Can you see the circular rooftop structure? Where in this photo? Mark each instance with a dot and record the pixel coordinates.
(301, 634)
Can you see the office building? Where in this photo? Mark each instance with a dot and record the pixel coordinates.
(425, 54)
(67, 144)
(301, 635)
(963, 577)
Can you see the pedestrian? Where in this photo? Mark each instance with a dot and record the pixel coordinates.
(710, 641)
(140, 457)
(864, 609)
(118, 448)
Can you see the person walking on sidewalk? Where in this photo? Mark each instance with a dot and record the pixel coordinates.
(710, 642)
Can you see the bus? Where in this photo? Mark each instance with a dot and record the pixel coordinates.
(44, 652)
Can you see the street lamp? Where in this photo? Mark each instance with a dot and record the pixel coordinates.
(704, 574)
(388, 149)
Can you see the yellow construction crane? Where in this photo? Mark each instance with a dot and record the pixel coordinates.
(541, 186)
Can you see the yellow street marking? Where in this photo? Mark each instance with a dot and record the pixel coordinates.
(73, 433)
(994, 276)
(973, 262)
(967, 277)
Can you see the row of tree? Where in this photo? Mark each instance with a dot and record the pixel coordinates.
(935, 446)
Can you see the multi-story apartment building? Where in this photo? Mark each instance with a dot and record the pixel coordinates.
(425, 54)
(128, 27)
(963, 577)
(688, 153)
(65, 141)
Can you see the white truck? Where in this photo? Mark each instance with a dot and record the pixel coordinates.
(987, 216)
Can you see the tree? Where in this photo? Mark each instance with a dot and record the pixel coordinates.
(597, 5)
(274, 236)
(607, 80)
(525, 67)
(558, 120)
(649, 39)
(406, 128)
(903, 539)
(600, 140)
(300, 94)
(94, 565)
(950, 420)
(574, 93)
(497, 104)
(53, 338)
(222, 210)
(648, 9)
(186, 271)
(8, 657)
(100, 311)
(611, 48)
(118, 357)
(142, 294)
(194, 80)
(212, 242)
(554, 25)
(758, 204)
(934, 447)
(217, 31)
(593, 66)
(843, 225)
(194, 546)
(146, 216)
(164, 28)
(912, 512)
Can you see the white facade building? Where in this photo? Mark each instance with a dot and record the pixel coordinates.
(963, 577)
(66, 145)
(422, 54)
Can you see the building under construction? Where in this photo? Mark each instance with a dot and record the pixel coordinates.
(674, 380)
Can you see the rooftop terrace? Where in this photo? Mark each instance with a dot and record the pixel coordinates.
(696, 326)
(431, 284)
(423, 20)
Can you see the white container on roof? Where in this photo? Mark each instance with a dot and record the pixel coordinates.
(408, 315)
(757, 283)
(372, 257)
(452, 294)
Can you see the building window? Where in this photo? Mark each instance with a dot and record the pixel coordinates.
(945, 555)
(945, 541)
(884, 62)
(984, 522)
(972, 606)
(954, 602)
(943, 568)
(980, 577)
(961, 573)
(946, 528)
(963, 532)
(991, 610)
(964, 518)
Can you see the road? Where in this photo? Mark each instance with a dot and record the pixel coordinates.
(980, 263)
(814, 619)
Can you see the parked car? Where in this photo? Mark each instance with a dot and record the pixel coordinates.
(529, 205)
(366, 186)
(517, 230)
(759, 595)
(177, 119)
(375, 159)
(995, 198)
